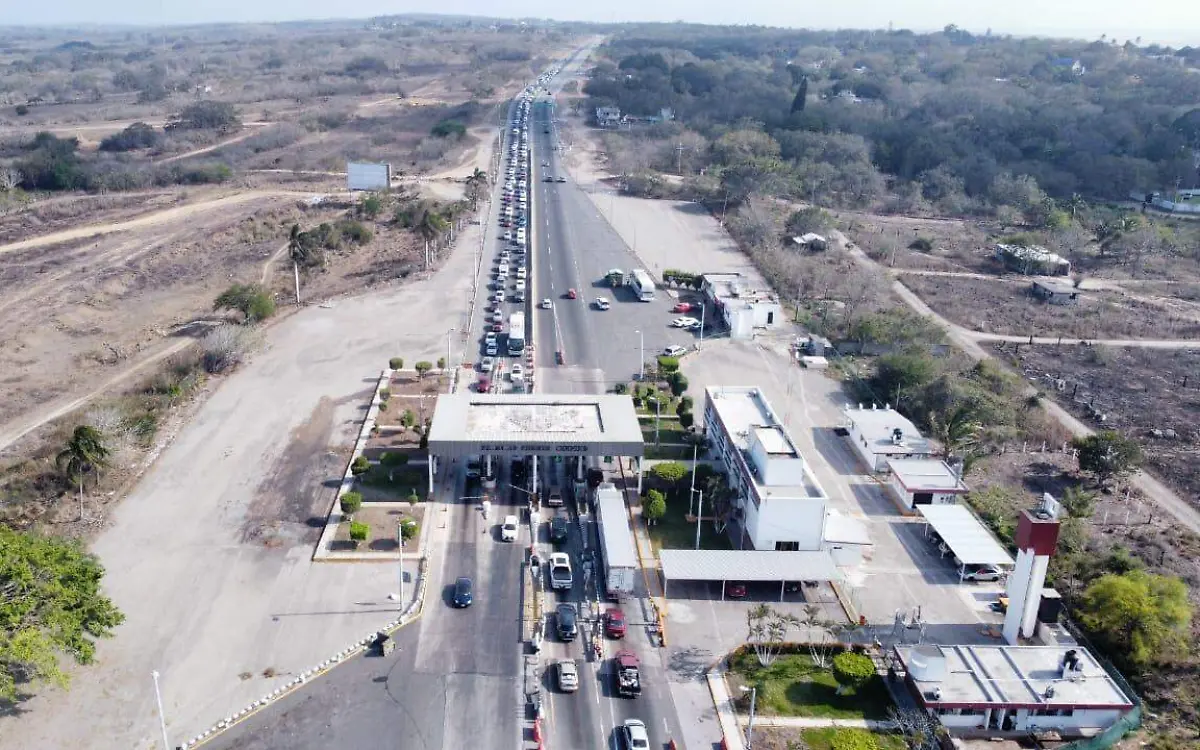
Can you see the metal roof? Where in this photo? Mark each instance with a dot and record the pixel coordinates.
(467, 424)
(965, 535)
(747, 565)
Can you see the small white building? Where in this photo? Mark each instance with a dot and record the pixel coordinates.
(924, 481)
(739, 306)
(991, 690)
(881, 435)
(777, 499)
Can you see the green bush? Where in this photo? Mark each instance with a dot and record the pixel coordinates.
(359, 531)
(423, 367)
(620, 389)
(921, 244)
(669, 472)
(448, 128)
(409, 529)
(251, 300)
(853, 738)
(655, 507)
(360, 466)
(686, 420)
(351, 502)
(852, 670)
(355, 232)
(679, 383)
(385, 394)
(441, 363)
(396, 363)
(414, 498)
(383, 406)
(685, 404)
(668, 364)
(408, 418)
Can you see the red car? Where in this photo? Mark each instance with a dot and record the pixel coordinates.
(498, 327)
(683, 307)
(735, 590)
(483, 385)
(614, 623)
(571, 294)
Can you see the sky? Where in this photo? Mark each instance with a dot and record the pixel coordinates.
(1175, 22)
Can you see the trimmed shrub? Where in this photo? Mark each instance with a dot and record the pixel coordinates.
(679, 383)
(351, 502)
(385, 394)
(655, 507)
(413, 498)
(620, 389)
(441, 363)
(408, 418)
(852, 670)
(359, 531)
(423, 367)
(396, 363)
(409, 529)
(686, 420)
(668, 364)
(360, 466)
(393, 460)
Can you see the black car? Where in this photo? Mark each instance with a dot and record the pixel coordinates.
(568, 627)
(558, 530)
(462, 592)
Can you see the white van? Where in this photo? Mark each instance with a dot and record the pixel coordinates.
(508, 530)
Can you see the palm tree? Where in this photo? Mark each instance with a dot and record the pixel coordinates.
(297, 251)
(84, 452)
(431, 226)
(476, 183)
(957, 428)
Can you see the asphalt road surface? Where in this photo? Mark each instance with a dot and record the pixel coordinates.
(453, 681)
(574, 248)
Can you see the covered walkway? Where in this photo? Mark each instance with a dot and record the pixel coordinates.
(746, 566)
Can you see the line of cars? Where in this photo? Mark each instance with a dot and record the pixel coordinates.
(510, 268)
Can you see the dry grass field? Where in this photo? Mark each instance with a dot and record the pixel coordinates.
(103, 277)
(1007, 306)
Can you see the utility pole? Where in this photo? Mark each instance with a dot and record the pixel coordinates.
(750, 723)
(162, 719)
(400, 542)
(699, 515)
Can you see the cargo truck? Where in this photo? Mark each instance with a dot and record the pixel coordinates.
(616, 542)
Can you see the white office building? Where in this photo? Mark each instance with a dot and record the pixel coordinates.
(739, 306)
(778, 500)
(882, 435)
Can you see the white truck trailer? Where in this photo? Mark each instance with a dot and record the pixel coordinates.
(616, 542)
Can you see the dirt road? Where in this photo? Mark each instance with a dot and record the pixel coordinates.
(154, 218)
(969, 342)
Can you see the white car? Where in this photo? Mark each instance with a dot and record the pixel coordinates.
(674, 351)
(520, 285)
(685, 322)
(602, 303)
(516, 372)
(498, 297)
(633, 733)
(521, 272)
(546, 304)
(568, 676)
(488, 364)
(508, 530)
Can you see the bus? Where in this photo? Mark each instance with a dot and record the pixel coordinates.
(642, 285)
(516, 334)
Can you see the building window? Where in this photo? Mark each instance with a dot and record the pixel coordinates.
(787, 546)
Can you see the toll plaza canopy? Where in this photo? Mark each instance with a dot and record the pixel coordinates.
(747, 565)
(521, 424)
(965, 535)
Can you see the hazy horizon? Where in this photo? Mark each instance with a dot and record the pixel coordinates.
(1175, 23)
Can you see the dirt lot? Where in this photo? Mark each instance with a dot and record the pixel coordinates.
(958, 244)
(1006, 306)
(1139, 391)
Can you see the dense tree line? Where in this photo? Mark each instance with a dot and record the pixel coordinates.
(967, 121)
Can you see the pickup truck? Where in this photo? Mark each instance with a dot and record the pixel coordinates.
(560, 571)
(627, 674)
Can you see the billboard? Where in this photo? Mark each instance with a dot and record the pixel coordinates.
(366, 176)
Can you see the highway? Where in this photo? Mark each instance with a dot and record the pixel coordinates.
(574, 248)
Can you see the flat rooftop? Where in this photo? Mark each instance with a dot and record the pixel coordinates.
(926, 475)
(1010, 676)
(467, 424)
(878, 425)
(744, 410)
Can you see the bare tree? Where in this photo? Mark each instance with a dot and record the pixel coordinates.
(920, 730)
(10, 179)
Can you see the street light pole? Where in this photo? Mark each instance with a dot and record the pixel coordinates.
(449, 380)
(400, 542)
(700, 344)
(641, 356)
(750, 723)
(162, 719)
(699, 513)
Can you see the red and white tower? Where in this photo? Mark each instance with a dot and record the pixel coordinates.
(1037, 537)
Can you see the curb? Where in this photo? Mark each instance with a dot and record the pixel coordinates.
(335, 517)
(410, 613)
